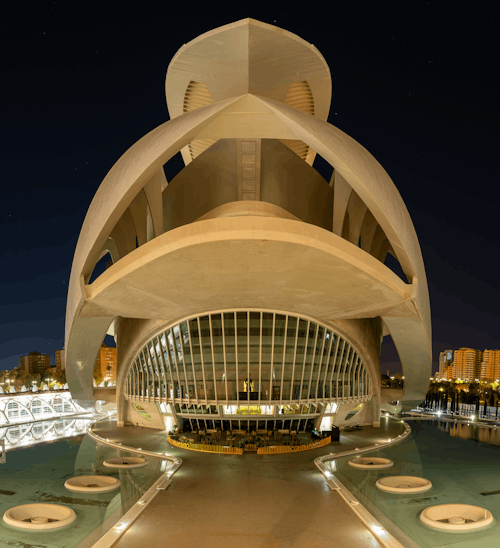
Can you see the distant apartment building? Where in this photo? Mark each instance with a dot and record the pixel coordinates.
(445, 360)
(466, 364)
(105, 364)
(61, 359)
(35, 362)
(490, 365)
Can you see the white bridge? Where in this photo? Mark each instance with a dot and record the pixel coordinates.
(28, 418)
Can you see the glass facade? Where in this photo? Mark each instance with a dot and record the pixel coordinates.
(252, 358)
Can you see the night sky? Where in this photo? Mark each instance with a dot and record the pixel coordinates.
(415, 83)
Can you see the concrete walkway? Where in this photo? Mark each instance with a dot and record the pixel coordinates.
(248, 501)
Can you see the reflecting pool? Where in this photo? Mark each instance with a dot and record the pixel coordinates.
(462, 467)
(38, 473)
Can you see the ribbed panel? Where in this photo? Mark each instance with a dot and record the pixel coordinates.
(248, 356)
(197, 96)
(299, 96)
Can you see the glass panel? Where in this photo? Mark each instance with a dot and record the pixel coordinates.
(279, 341)
(313, 328)
(206, 349)
(186, 351)
(219, 355)
(267, 336)
(230, 355)
(255, 349)
(289, 352)
(241, 334)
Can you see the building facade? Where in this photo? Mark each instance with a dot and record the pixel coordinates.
(445, 360)
(105, 364)
(35, 362)
(61, 359)
(248, 288)
(490, 365)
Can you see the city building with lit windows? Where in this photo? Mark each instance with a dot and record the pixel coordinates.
(61, 359)
(490, 365)
(35, 362)
(249, 290)
(105, 363)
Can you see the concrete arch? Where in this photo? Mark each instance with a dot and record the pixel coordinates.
(246, 116)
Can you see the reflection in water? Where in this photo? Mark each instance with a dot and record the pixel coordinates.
(474, 432)
(31, 433)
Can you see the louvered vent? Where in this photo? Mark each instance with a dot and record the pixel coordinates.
(197, 96)
(299, 96)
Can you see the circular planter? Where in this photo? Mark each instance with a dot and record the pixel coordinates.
(39, 516)
(125, 462)
(371, 463)
(92, 484)
(456, 517)
(403, 484)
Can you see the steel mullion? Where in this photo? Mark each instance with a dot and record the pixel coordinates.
(192, 360)
(272, 360)
(284, 358)
(236, 359)
(260, 357)
(294, 358)
(249, 385)
(224, 357)
(304, 363)
(202, 361)
(213, 355)
(312, 364)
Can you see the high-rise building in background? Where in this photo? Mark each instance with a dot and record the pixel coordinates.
(445, 360)
(61, 359)
(490, 365)
(105, 364)
(466, 364)
(35, 362)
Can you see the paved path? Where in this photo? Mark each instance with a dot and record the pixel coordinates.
(249, 501)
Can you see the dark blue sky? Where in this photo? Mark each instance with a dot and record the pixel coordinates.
(415, 83)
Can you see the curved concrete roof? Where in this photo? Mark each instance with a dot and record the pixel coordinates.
(245, 116)
(248, 56)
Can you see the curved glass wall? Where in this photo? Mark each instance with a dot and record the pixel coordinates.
(247, 356)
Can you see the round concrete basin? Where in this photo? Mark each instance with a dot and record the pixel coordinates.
(92, 484)
(125, 462)
(371, 463)
(403, 484)
(39, 516)
(457, 518)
